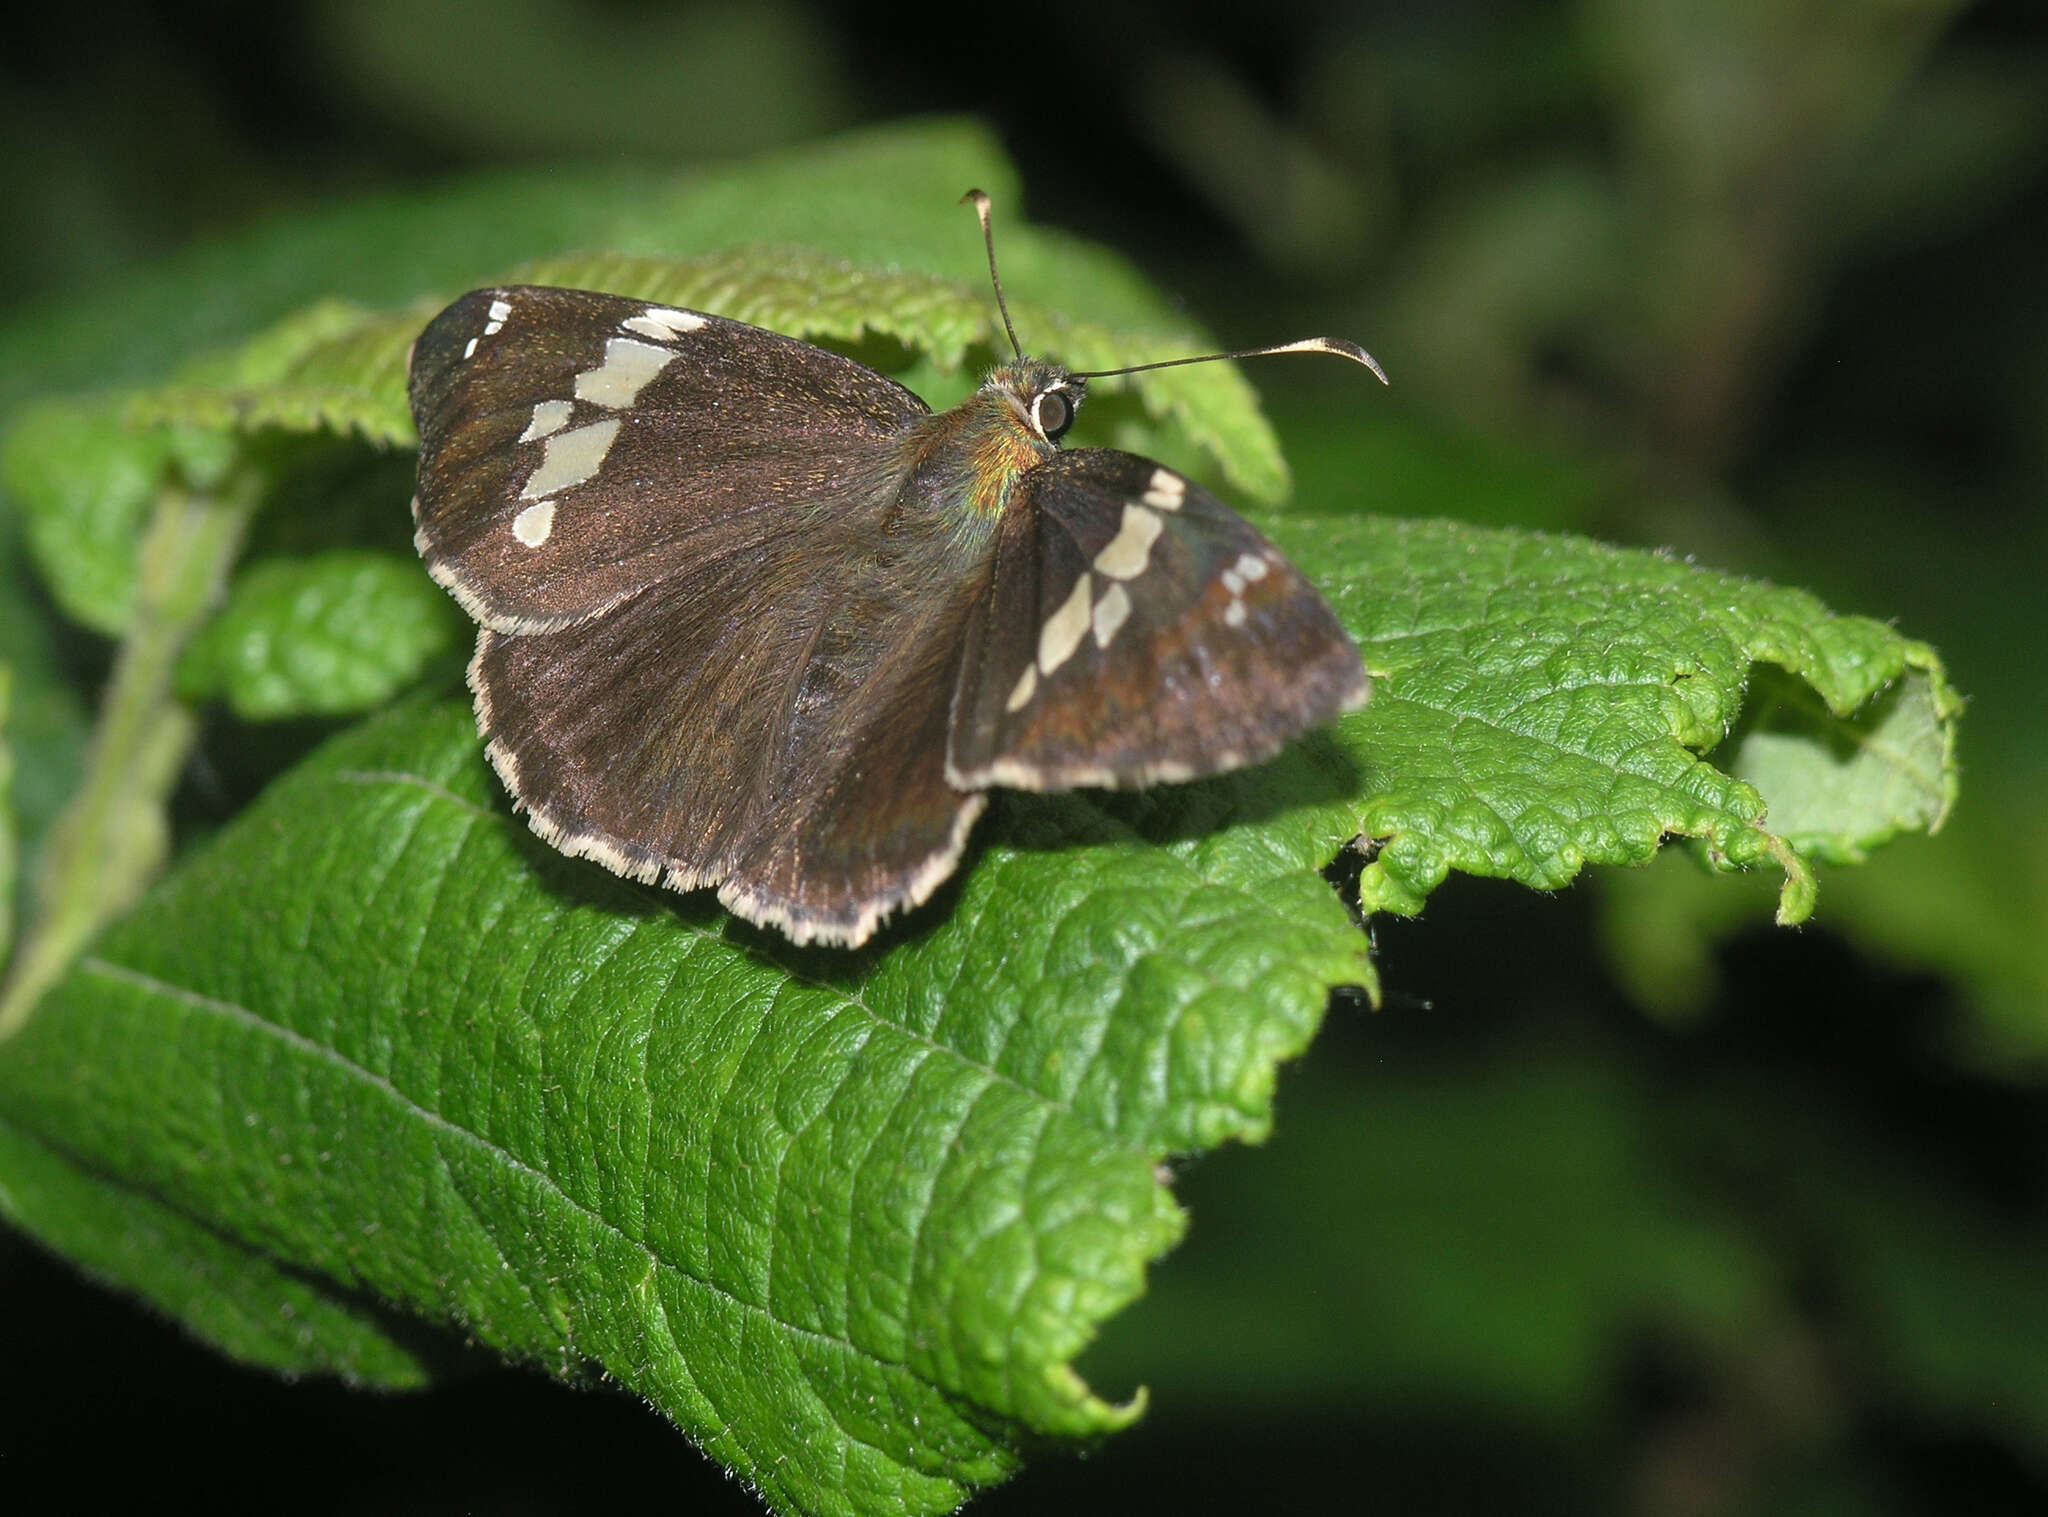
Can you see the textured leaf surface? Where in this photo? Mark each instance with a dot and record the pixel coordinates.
(843, 1220)
(323, 636)
(1548, 702)
(243, 1300)
(883, 1200)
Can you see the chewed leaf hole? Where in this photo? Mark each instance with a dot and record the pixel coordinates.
(1835, 786)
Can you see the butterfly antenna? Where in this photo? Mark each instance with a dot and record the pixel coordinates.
(988, 235)
(1342, 347)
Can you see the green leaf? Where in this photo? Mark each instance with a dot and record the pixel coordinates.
(1548, 702)
(236, 1297)
(846, 1219)
(880, 1200)
(867, 195)
(114, 832)
(47, 723)
(1839, 783)
(339, 367)
(85, 482)
(10, 833)
(337, 633)
(1967, 906)
(261, 382)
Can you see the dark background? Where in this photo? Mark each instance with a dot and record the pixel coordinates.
(1626, 1202)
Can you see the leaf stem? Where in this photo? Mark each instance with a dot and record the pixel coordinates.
(10, 824)
(115, 832)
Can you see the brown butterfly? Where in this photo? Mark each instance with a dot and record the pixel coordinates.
(754, 617)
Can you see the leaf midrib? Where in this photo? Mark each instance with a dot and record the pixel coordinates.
(437, 1121)
(197, 1000)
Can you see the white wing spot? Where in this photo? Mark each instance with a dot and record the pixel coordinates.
(662, 324)
(1110, 613)
(1166, 491)
(533, 525)
(1251, 566)
(571, 458)
(1128, 551)
(549, 416)
(1233, 614)
(627, 367)
(1233, 581)
(498, 312)
(469, 348)
(1064, 629)
(1027, 686)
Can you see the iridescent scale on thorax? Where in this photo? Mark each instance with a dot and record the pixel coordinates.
(968, 461)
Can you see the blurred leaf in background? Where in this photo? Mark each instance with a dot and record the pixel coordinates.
(560, 79)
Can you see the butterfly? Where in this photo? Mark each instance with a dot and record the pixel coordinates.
(753, 616)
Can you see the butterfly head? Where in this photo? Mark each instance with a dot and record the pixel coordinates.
(1042, 397)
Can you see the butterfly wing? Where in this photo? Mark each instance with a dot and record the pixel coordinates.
(576, 448)
(706, 657)
(730, 739)
(1136, 629)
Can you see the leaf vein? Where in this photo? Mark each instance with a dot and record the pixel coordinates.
(299, 1042)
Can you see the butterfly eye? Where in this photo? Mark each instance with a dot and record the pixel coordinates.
(1053, 413)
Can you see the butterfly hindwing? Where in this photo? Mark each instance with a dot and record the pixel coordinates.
(576, 448)
(779, 731)
(1135, 629)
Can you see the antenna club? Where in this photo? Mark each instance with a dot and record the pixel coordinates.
(1339, 347)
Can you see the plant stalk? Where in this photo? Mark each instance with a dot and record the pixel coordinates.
(114, 834)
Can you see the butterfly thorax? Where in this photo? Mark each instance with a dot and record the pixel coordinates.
(969, 460)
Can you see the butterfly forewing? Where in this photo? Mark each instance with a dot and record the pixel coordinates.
(1136, 629)
(576, 448)
(714, 650)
